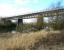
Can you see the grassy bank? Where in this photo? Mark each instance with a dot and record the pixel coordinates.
(31, 41)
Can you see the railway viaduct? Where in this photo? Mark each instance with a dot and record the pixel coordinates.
(49, 13)
(38, 15)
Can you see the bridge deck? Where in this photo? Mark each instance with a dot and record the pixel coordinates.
(35, 15)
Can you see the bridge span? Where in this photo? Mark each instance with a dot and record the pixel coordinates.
(38, 15)
(48, 13)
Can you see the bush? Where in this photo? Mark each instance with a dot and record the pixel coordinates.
(7, 28)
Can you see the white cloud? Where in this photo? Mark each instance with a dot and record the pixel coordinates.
(35, 1)
(24, 11)
(8, 10)
(22, 1)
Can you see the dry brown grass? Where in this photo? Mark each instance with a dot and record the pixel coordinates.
(31, 40)
(21, 41)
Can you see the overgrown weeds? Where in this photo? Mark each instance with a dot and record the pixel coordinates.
(31, 41)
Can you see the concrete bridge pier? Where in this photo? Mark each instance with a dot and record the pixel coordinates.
(40, 22)
(20, 21)
(20, 25)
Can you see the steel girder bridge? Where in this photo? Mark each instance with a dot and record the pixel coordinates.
(49, 13)
(39, 15)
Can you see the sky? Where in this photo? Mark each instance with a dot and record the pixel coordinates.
(18, 7)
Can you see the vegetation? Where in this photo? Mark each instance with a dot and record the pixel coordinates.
(57, 22)
(39, 40)
(33, 41)
(7, 26)
(20, 41)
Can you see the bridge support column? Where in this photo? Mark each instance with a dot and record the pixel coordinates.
(40, 22)
(20, 21)
(20, 25)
